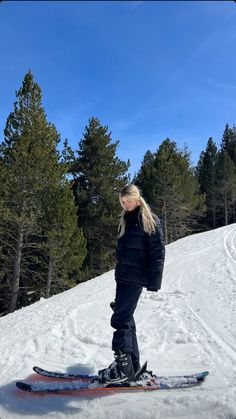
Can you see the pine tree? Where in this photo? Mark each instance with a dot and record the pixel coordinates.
(30, 169)
(226, 187)
(206, 175)
(64, 246)
(173, 190)
(228, 143)
(26, 152)
(145, 179)
(99, 175)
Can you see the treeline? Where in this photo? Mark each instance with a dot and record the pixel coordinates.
(191, 199)
(59, 210)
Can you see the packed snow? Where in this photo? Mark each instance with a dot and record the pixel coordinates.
(189, 326)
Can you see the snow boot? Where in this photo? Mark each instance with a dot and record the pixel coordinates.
(120, 371)
(136, 366)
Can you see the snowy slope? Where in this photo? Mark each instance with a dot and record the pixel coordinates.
(190, 325)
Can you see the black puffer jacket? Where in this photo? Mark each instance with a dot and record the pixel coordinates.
(140, 256)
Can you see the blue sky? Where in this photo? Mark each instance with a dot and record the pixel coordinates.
(147, 69)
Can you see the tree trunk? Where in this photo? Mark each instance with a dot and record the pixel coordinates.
(16, 270)
(164, 223)
(49, 278)
(214, 217)
(226, 207)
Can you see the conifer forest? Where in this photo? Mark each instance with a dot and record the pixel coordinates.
(59, 210)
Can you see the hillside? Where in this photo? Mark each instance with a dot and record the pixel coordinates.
(187, 327)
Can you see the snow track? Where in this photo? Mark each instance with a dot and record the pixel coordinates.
(225, 348)
(230, 243)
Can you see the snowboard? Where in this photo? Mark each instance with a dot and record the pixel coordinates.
(145, 382)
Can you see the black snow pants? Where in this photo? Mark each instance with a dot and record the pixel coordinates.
(124, 337)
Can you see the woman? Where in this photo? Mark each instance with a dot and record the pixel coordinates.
(140, 261)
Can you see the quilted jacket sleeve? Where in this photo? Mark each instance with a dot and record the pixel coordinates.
(155, 257)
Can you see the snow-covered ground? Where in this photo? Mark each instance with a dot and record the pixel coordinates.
(189, 326)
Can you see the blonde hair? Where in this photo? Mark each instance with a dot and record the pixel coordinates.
(149, 220)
